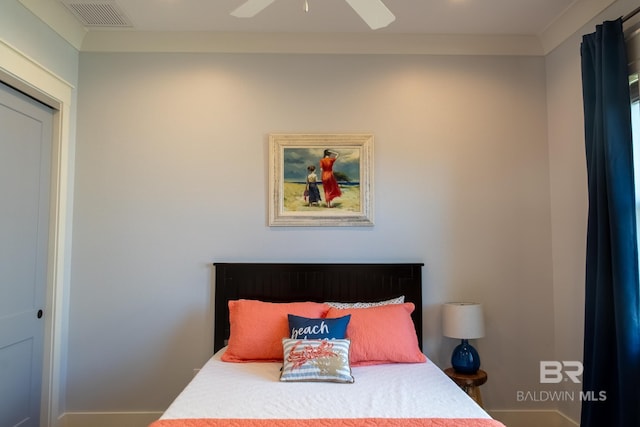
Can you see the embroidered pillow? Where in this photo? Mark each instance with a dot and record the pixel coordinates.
(398, 300)
(257, 328)
(317, 329)
(383, 334)
(316, 360)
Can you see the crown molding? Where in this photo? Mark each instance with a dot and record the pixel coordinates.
(310, 43)
(56, 16)
(575, 17)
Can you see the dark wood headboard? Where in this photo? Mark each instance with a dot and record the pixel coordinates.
(313, 282)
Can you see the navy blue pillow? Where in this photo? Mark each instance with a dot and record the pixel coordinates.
(317, 329)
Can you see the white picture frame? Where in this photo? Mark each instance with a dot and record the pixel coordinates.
(291, 159)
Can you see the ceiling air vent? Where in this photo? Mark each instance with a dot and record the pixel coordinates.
(98, 13)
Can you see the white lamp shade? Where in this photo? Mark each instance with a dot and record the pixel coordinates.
(462, 320)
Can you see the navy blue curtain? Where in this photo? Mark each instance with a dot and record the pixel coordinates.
(611, 379)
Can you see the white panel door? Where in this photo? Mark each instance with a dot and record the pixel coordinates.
(25, 164)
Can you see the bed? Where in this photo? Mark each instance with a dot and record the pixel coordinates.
(369, 370)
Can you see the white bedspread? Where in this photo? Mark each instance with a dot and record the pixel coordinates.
(252, 390)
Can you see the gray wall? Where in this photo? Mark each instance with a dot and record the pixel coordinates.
(171, 176)
(22, 30)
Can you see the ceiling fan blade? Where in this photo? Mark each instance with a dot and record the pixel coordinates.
(251, 8)
(373, 12)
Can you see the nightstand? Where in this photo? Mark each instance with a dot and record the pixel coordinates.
(470, 383)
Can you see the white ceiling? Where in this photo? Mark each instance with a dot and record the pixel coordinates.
(523, 17)
(526, 27)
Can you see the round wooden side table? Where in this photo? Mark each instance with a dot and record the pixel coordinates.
(470, 383)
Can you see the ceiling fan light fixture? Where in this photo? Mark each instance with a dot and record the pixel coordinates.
(373, 12)
(250, 8)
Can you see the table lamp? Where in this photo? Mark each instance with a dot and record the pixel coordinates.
(463, 320)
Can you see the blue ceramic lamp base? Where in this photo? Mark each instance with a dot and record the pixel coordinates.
(465, 358)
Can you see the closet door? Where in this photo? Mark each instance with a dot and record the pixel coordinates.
(25, 182)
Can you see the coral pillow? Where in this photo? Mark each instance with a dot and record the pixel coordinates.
(383, 334)
(257, 328)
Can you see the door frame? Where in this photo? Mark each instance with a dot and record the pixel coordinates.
(28, 76)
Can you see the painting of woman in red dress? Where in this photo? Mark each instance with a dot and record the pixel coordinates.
(329, 183)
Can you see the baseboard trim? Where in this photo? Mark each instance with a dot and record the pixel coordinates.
(533, 418)
(107, 419)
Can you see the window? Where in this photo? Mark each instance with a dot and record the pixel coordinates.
(635, 133)
(633, 56)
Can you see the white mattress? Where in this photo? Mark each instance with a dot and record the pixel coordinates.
(252, 390)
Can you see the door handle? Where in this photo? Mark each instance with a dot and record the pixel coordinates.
(39, 314)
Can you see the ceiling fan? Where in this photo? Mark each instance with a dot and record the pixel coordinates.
(373, 12)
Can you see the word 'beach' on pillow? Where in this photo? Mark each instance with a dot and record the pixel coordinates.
(317, 329)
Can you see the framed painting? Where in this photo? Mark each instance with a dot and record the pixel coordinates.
(320, 180)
